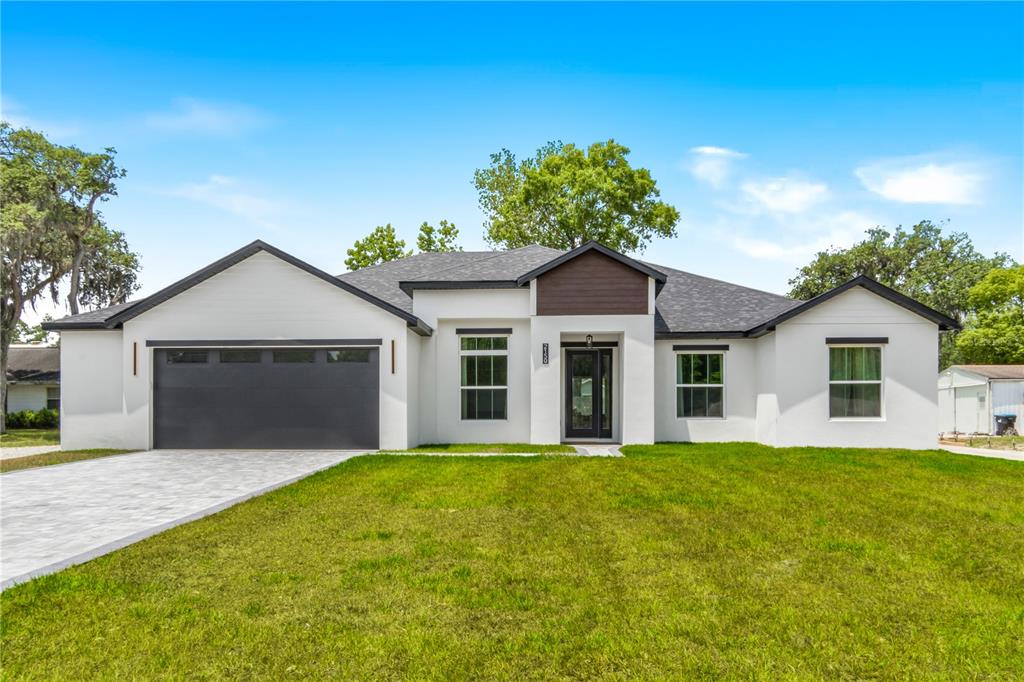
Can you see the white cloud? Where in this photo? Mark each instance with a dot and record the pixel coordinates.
(12, 112)
(923, 180)
(227, 194)
(713, 165)
(189, 115)
(785, 194)
(813, 234)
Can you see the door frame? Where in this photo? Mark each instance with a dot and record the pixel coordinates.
(595, 431)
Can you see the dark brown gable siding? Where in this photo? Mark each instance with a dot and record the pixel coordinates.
(592, 284)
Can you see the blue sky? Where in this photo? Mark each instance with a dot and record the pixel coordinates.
(776, 130)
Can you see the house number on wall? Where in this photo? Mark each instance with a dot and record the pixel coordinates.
(544, 353)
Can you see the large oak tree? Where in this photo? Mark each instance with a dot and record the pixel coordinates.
(564, 196)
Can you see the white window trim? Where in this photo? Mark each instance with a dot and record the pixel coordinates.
(725, 396)
(880, 382)
(471, 353)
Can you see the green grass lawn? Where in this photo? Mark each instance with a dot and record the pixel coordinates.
(59, 457)
(677, 561)
(456, 448)
(16, 438)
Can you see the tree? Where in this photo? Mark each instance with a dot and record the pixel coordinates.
(935, 269)
(380, 246)
(438, 240)
(994, 334)
(26, 334)
(565, 196)
(49, 229)
(110, 270)
(75, 183)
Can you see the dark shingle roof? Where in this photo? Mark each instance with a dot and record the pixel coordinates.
(690, 303)
(687, 304)
(33, 364)
(91, 319)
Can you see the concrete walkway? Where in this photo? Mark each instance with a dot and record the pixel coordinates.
(56, 516)
(599, 450)
(26, 451)
(1017, 455)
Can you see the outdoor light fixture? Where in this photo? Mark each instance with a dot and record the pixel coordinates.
(590, 340)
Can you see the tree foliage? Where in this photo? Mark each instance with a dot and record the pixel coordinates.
(934, 268)
(441, 239)
(380, 246)
(564, 196)
(994, 333)
(51, 231)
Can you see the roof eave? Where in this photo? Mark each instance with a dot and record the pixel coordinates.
(944, 322)
(118, 319)
(409, 286)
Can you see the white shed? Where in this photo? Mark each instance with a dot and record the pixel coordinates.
(970, 396)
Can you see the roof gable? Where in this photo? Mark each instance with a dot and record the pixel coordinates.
(128, 311)
(945, 322)
(589, 247)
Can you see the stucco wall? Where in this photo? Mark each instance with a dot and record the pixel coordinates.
(91, 401)
(440, 392)
(636, 360)
(741, 395)
(909, 364)
(264, 297)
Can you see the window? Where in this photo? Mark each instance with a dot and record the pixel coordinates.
(294, 356)
(176, 357)
(349, 355)
(855, 381)
(700, 385)
(240, 355)
(52, 398)
(483, 362)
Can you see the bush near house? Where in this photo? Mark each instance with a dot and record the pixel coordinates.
(33, 419)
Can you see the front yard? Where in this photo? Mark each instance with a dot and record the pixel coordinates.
(677, 561)
(16, 438)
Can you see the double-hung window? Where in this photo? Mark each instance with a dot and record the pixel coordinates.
(700, 385)
(483, 362)
(854, 382)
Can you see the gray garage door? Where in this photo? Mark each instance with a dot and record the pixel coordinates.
(286, 398)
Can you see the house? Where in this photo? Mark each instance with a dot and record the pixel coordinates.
(263, 350)
(971, 395)
(33, 378)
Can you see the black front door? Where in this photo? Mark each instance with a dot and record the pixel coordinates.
(588, 393)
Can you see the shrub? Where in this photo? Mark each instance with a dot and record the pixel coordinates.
(32, 419)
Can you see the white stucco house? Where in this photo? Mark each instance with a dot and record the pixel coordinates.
(262, 350)
(33, 378)
(971, 395)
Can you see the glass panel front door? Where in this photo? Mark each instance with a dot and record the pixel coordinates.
(588, 393)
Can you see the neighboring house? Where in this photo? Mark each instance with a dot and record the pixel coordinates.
(33, 378)
(971, 395)
(262, 350)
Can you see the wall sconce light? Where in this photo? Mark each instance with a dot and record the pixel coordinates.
(590, 340)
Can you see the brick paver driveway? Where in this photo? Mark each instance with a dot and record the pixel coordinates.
(56, 516)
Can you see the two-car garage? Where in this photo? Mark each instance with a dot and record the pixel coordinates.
(266, 397)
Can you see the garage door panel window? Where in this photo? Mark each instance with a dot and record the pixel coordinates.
(185, 357)
(348, 355)
(855, 382)
(240, 355)
(292, 356)
(483, 363)
(700, 385)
